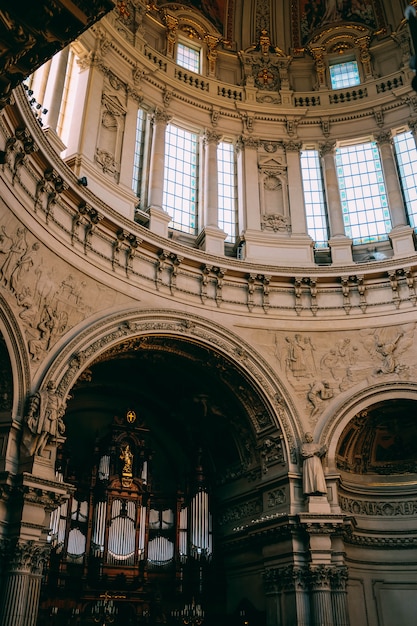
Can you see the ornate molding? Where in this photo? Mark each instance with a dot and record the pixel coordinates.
(378, 508)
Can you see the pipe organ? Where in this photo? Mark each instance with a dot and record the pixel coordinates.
(123, 534)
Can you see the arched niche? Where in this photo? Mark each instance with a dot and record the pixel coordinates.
(266, 403)
(209, 413)
(380, 441)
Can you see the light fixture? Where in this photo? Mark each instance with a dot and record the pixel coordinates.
(83, 181)
(191, 615)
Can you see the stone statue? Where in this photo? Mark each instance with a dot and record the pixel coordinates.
(44, 418)
(314, 482)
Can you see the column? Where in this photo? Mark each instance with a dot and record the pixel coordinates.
(22, 581)
(295, 189)
(212, 237)
(301, 242)
(321, 601)
(287, 592)
(249, 205)
(55, 87)
(401, 234)
(82, 136)
(53, 97)
(339, 577)
(159, 219)
(341, 246)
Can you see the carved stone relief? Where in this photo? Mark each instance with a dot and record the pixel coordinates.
(48, 296)
(321, 366)
(274, 194)
(108, 151)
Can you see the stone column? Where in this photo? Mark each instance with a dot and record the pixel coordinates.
(288, 596)
(249, 207)
(22, 581)
(300, 242)
(295, 189)
(211, 141)
(401, 234)
(55, 88)
(159, 219)
(338, 578)
(82, 139)
(321, 600)
(341, 246)
(53, 97)
(212, 237)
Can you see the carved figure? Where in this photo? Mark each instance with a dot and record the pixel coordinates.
(296, 356)
(319, 391)
(15, 253)
(127, 458)
(44, 418)
(386, 350)
(24, 264)
(314, 482)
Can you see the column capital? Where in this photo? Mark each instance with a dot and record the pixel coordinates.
(210, 137)
(384, 137)
(413, 126)
(24, 556)
(292, 146)
(160, 116)
(327, 148)
(247, 141)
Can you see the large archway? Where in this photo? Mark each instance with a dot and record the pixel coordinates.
(197, 427)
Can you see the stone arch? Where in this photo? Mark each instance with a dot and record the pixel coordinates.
(133, 325)
(360, 401)
(18, 356)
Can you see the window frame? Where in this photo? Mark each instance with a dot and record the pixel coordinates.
(196, 47)
(353, 196)
(337, 62)
(194, 225)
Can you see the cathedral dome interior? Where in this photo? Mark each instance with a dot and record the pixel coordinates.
(208, 321)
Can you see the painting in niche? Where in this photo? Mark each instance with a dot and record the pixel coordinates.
(311, 15)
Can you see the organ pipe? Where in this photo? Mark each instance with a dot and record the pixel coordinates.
(200, 524)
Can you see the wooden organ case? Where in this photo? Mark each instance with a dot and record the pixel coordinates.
(123, 551)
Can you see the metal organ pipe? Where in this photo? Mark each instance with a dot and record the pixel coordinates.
(99, 527)
(200, 524)
(142, 529)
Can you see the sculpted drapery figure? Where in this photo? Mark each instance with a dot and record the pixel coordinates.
(314, 482)
(44, 418)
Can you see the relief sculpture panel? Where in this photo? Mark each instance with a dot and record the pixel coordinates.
(319, 366)
(48, 296)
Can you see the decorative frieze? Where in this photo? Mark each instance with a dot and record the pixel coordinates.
(378, 508)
